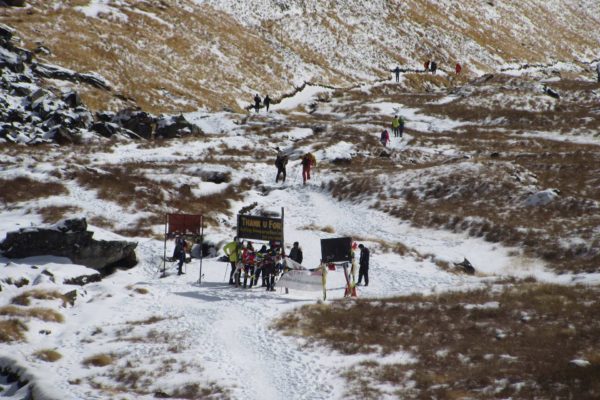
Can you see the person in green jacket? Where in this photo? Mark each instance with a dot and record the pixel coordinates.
(232, 251)
(396, 126)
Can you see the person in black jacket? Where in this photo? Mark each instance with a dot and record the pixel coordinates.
(256, 103)
(296, 253)
(396, 71)
(281, 162)
(363, 270)
(179, 253)
(267, 102)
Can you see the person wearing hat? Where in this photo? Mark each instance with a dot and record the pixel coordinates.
(363, 270)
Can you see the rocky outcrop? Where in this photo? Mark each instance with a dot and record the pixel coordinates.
(171, 127)
(70, 239)
(32, 112)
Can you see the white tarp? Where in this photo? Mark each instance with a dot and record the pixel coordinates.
(302, 280)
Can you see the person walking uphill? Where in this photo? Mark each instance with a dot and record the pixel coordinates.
(396, 126)
(232, 251)
(281, 162)
(363, 269)
(598, 70)
(256, 103)
(267, 102)
(308, 161)
(385, 137)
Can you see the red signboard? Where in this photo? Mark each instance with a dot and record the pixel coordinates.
(187, 224)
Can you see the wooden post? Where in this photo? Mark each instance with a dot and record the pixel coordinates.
(164, 271)
(201, 245)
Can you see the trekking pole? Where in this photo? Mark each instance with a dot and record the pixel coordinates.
(225, 276)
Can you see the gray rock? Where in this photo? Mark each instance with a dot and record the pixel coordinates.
(72, 99)
(15, 3)
(105, 129)
(139, 122)
(6, 32)
(67, 239)
(171, 127)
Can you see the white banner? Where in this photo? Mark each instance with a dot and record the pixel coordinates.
(301, 280)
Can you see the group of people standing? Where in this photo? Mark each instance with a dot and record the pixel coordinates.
(248, 266)
(257, 102)
(251, 264)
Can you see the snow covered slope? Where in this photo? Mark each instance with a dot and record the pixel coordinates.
(186, 54)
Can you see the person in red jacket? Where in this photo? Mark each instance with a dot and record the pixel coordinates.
(248, 258)
(308, 161)
(385, 137)
(426, 65)
(458, 68)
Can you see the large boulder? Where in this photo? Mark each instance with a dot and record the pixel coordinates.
(139, 122)
(170, 127)
(70, 239)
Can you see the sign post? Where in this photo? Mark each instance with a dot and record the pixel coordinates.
(336, 250)
(187, 225)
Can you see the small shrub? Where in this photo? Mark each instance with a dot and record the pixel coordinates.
(24, 299)
(148, 321)
(12, 330)
(24, 189)
(48, 355)
(99, 360)
(44, 314)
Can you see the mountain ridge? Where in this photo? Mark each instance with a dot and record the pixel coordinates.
(190, 54)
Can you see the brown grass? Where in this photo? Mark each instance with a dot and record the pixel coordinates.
(148, 321)
(48, 355)
(12, 330)
(541, 327)
(99, 360)
(24, 189)
(44, 314)
(313, 227)
(24, 299)
(53, 214)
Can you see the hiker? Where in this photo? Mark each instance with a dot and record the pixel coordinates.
(257, 102)
(385, 137)
(363, 262)
(458, 68)
(308, 161)
(231, 250)
(401, 126)
(269, 269)
(267, 102)
(433, 67)
(280, 162)
(397, 72)
(296, 253)
(396, 126)
(598, 70)
(179, 253)
(426, 65)
(259, 261)
(248, 258)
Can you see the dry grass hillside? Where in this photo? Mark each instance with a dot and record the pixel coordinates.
(181, 55)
